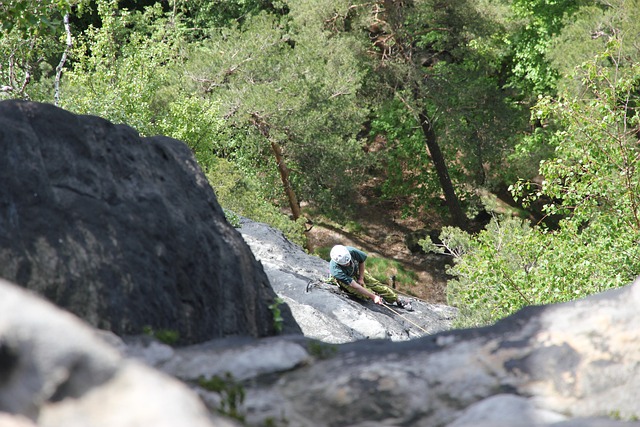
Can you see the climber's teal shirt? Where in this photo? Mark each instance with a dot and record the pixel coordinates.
(342, 275)
(346, 273)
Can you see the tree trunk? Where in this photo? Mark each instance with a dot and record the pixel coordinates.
(67, 49)
(451, 199)
(263, 127)
(284, 176)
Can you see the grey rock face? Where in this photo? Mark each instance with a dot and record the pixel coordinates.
(323, 311)
(56, 371)
(123, 231)
(565, 362)
(566, 365)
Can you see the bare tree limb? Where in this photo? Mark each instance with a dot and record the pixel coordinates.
(67, 29)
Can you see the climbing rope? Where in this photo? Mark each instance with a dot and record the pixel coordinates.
(318, 282)
(404, 318)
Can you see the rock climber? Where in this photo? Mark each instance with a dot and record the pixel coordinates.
(347, 269)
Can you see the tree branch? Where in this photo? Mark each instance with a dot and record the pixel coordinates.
(67, 29)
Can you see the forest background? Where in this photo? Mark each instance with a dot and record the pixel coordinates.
(291, 106)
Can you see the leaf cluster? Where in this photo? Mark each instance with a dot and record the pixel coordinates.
(592, 182)
(512, 264)
(232, 394)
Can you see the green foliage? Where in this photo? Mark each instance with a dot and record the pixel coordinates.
(232, 218)
(283, 82)
(406, 159)
(540, 20)
(323, 252)
(592, 181)
(529, 151)
(353, 227)
(594, 176)
(166, 336)
(196, 121)
(241, 195)
(511, 264)
(127, 71)
(444, 49)
(273, 422)
(231, 392)
(491, 270)
(31, 17)
(591, 30)
(277, 314)
(321, 350)
(204, 15)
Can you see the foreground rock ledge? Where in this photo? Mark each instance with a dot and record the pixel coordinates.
(55, 371)
(572, 364)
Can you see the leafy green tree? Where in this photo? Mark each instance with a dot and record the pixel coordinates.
(537, 23)
(591, 30)
(29, 40)
(592, 181)
(289, 97)
(442, 105)
(408, 36)
(549, 40)
(594, 175)
(511, 264)
(126, 70)
(493, 270)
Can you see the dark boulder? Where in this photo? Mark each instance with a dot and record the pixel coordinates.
(121, 230)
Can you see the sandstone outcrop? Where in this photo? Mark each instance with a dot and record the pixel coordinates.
(123, 231)
(56, 371)
(566, 365)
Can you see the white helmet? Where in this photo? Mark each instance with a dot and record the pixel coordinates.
(340, 254)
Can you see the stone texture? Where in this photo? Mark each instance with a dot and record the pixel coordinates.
(573, 360)
(565, 365)
(121, 230)
(56, 371)
(323, 311)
